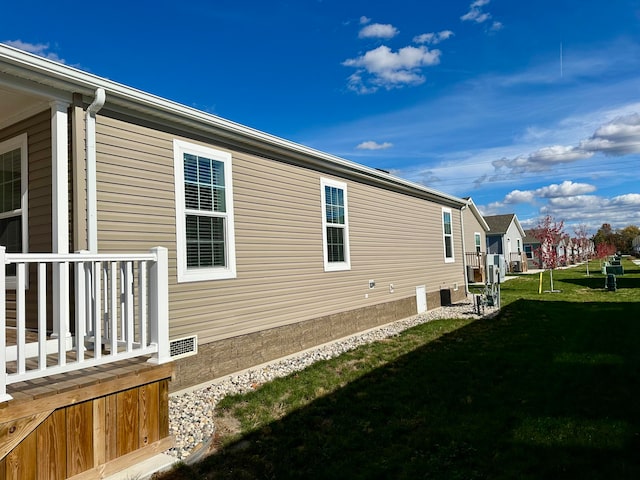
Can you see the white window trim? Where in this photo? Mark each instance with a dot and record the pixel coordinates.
(22, 143)
(479, 244)
(451, 259)
(335, 266)
(213, 273)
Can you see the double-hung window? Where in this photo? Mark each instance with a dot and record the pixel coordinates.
(447, 232)
(335, 225)
(13, 198)
(204, 213)
(478, 239)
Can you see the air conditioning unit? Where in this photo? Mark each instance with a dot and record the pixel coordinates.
(496, 269)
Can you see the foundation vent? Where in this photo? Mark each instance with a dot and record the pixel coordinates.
(183, 347)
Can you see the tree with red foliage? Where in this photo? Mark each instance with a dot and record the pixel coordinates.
(604, 250)
(549, 232)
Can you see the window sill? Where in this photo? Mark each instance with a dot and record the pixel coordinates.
(205, 275)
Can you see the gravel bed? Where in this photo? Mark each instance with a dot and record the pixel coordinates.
(191, 419)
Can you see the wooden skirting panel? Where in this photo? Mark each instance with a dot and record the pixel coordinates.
(231, 355)
(100, 434)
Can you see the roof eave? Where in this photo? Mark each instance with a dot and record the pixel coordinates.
(71, 80)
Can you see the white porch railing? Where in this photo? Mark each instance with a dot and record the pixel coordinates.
(120, 311)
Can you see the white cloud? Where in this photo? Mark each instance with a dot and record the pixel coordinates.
(593, 210)
(371, 145)
(628, 199)
(433, 38)
(519, 196)
(40, 49)
(385, 68)
(618, 137)
(565, 189)
(378, 30)
(475, 13)
(364, 20)
(542, 159)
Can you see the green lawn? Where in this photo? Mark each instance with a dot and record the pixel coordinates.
(547, 389)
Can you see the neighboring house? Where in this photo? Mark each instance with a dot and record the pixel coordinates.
(474, 242)
(564, 246)
(505, 237)
(635, 246)
(531, 247)
(195, 236)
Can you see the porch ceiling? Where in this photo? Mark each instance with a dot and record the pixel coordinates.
(16, 105)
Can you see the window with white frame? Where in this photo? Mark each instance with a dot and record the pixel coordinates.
(478, 241)
(13, 197)
(204, 213)
(447, 232)
(528, 250)
(335, 225)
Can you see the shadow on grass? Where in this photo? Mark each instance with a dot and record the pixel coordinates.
(597, 281)
(555, 396)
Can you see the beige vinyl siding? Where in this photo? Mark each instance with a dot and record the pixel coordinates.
(136, 208)
(38, 130)
(471, 226)
(280, 280)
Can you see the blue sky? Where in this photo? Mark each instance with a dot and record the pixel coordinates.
(530, 108)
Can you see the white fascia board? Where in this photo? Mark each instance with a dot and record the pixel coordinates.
(476, 213)
(45, 71)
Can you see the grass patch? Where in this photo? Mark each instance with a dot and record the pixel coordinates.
(547, 389)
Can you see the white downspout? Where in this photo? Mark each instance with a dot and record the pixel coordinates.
(464, 251)
(92, 203)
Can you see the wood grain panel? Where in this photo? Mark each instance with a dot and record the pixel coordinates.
(99, 431)
(163, 408)
(148, 404)
(52, 450)
(21, 462)
(127, 407)
(111, 427)
(79, 437)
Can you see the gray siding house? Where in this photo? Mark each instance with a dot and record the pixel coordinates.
(506, 238)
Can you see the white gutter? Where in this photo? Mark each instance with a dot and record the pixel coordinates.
(47, 72)
(90, 139)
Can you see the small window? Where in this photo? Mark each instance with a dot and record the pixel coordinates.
(13, 199)
(335, 225)
(478, 239)
(204, 213)
(448, 235)
(518, 245)
(528, 250)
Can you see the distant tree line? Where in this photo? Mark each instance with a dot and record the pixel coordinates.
(621, 239)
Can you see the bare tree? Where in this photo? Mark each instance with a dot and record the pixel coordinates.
(582, 235)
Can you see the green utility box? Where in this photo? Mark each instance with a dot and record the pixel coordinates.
(614, 269)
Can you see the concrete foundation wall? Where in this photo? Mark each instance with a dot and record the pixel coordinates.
(223, 357)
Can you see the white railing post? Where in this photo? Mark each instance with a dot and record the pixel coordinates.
(81, 307)
(159, 305)
(3, 329)
(95, 295)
